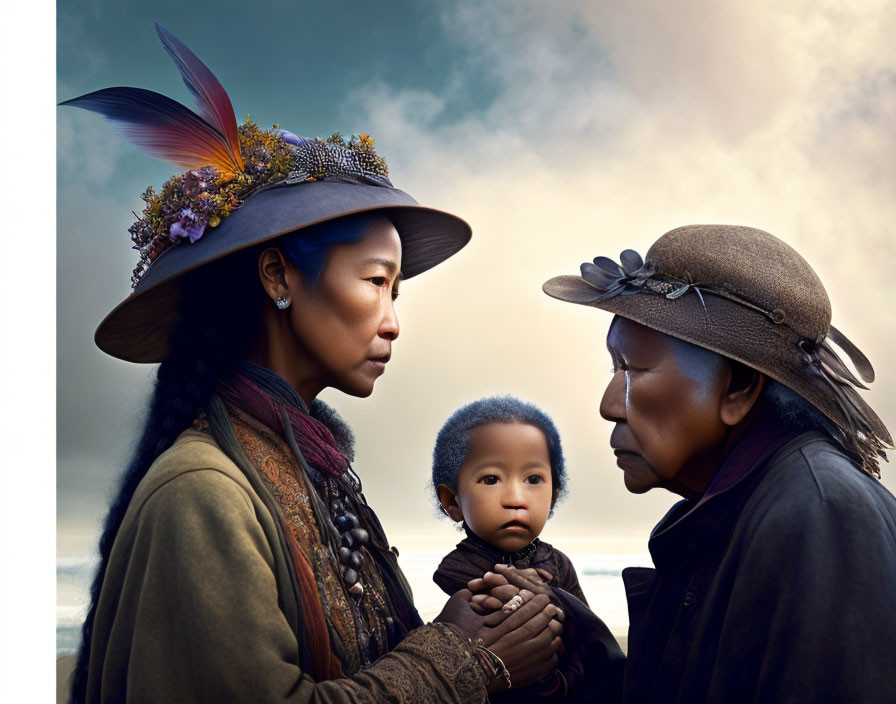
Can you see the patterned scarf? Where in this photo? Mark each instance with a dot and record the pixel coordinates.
(252, 390)
(267, 397)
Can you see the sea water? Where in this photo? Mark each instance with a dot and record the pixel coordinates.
(599, 575)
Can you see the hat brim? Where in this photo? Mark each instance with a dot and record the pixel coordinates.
(725, 327)
(137, 330)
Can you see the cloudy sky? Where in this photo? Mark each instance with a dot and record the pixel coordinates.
(560, 131)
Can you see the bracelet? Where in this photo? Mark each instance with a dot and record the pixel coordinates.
(492, 664)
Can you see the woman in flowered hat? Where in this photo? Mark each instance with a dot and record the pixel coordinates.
(774, 576)
(240, 560)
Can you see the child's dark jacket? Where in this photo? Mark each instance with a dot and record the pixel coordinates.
(591, 655)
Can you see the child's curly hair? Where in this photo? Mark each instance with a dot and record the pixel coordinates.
(453, 439)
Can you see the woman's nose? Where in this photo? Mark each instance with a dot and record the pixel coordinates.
(612, 405)
(389, 327)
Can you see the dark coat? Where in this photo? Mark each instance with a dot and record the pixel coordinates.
(473, 557)
(591, 664)
(778, 585)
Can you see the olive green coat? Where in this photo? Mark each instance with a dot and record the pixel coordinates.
(192, 608)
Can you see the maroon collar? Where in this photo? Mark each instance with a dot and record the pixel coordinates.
(751, 443)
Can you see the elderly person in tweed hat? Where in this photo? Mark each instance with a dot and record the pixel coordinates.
(775, 576)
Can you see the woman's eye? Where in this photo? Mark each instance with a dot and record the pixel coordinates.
(378, 280)
(488, 479)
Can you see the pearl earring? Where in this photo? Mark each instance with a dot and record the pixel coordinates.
(282, 303)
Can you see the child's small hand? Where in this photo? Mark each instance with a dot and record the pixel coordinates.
(490, 579)
(483, 601)
(533, 580)
(493, 591)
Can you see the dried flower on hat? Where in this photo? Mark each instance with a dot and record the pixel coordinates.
(227, 163)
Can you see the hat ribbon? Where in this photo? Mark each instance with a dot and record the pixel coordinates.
(632, 275)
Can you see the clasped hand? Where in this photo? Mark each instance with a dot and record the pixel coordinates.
(525, 637)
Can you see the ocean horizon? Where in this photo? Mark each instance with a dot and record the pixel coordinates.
(599, 571)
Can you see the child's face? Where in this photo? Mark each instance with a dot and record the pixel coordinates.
(504, 489)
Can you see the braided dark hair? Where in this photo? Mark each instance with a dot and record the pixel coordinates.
(221, 308)
(218, 325)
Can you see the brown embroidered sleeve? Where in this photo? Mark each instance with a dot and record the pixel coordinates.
(434, 663)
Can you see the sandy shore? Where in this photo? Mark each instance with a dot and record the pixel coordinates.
(66, 663)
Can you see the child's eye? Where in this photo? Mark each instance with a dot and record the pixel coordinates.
(535, 479)
(488, 479)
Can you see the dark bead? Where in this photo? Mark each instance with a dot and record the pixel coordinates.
(350, 576)
(360, 535)
(363, 639)
(348, 539)
(355, 559)
(343, 522)
(390, 621)
(353, 519)
(394, 550)
(344, 555)
(335, 506)
(356, 590)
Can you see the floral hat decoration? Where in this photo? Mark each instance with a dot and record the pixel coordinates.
(243, 185)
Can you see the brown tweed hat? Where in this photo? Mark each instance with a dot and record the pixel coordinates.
(744, 294)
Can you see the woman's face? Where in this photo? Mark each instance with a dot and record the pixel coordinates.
(665, 399)
(341, 331)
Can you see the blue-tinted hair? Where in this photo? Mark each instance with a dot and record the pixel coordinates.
(453, 440)
(307, 249)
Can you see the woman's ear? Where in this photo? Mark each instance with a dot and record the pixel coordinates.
(744, 388)
(448, 499)
(272, 271)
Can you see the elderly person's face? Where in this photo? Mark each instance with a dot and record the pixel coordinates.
(673, 405)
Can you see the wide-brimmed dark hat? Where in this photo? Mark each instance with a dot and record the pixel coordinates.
(744, 294)
(137, 330)
(245, 186)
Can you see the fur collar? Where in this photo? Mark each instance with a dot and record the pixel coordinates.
(342, 433)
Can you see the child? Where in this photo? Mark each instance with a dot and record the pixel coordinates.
(498, 468)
